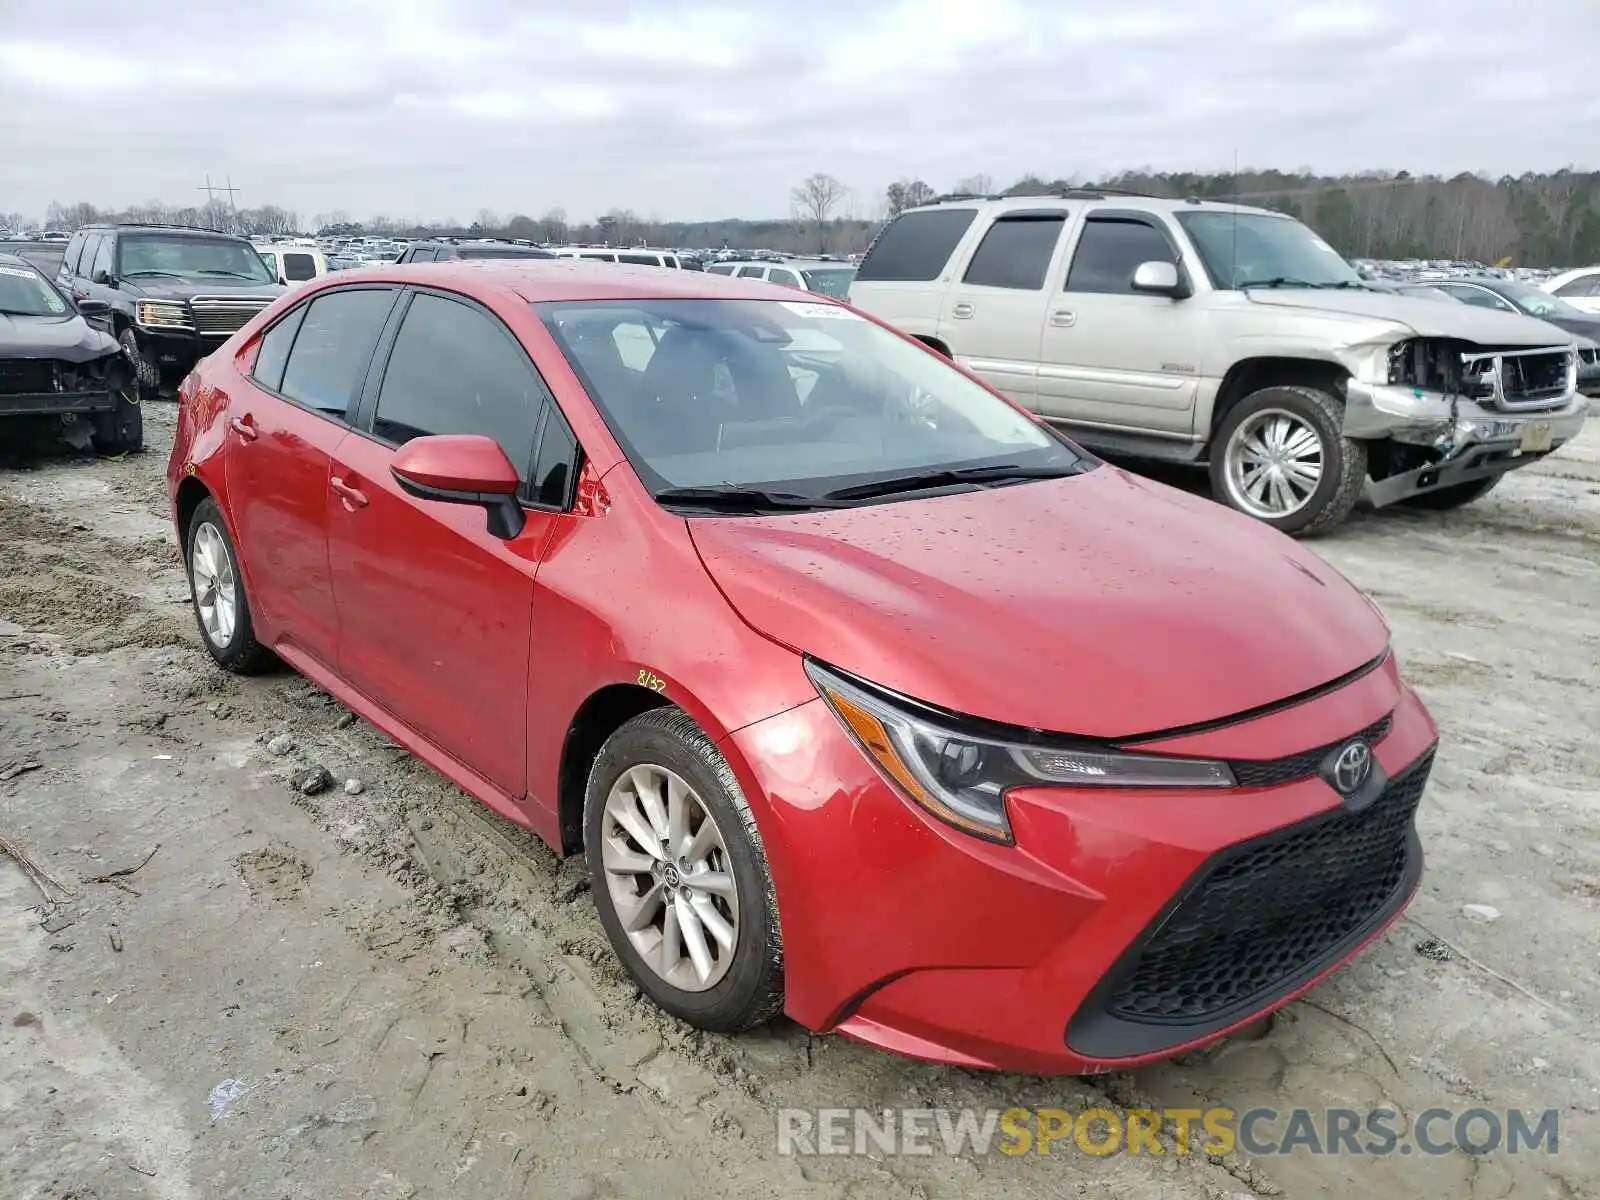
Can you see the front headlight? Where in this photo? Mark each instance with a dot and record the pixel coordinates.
(961, 777)
(161, 314)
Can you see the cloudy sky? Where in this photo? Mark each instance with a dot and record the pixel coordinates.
(702, 109)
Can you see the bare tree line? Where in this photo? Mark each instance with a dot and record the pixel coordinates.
(1534, 219)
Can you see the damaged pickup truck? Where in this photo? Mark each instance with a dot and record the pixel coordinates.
(60, 376)
(1196, 332)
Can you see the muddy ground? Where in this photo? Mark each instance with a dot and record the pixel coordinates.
(389, 993)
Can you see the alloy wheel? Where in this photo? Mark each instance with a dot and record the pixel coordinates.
(668, 877)
(216, 587)
(1274, 463)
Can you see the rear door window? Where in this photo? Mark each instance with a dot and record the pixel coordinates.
(274, 352)
(69, 257)
(1110, 251)
(90, 247)
(640, 260)
(752, 272)
(455, 369)
(915, 246)
(784, 276)
(334, 348)
(1016, 253)
(102, 258)
(299, 266)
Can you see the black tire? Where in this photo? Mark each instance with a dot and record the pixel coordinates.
(1344, 461)
(751, 992)
(120, 431)
(1452, 497)
(146, 375)
(241, 654)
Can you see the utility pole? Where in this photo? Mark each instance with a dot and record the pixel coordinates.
(229, 190)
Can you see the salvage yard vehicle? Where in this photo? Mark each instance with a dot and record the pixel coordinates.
(830, 277)
(1196, 332)
(419, 252)
(174, 293)
(1580, 288)
(1507, 295)
(57, 369)
(868, 696)
(291, 265)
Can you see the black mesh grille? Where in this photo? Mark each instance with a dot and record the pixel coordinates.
(22, 376)
(1276, 771)
(1268, 909)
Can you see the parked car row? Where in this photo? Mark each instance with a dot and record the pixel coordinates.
(695, 575)
(1200, 332)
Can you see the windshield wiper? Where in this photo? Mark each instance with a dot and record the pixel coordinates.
(230, 274)
(1276, 282)
(950, 477)
(135, 274)
(741, 499)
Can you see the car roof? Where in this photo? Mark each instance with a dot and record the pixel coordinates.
(542, 279)
(165, 230)
(1094, 198)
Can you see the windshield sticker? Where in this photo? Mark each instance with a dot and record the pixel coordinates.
(19, 272)
(821, 312)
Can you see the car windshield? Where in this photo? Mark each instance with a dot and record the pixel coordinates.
(26, 293)
(1248, 249)
(1537, 303)
(192, 257)
(793, 397)
(830, 281)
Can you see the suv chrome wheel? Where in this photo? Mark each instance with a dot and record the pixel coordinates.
(668, 877)
(1274, 463)
(215, 584)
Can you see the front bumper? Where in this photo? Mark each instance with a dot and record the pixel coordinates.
(909, 935)
(49, 404)
(174, 352)
(1472, 442)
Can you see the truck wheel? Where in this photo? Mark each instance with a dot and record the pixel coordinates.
(1452, 497)
(121, 430)
(1280, 455)
(146, 375)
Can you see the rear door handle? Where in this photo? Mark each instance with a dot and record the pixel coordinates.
(244, 428)
(961, 311)
(353, 498)
(1064, 318)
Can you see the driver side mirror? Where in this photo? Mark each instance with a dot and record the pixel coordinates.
(1161, 279)
(103, 277)
(93, 308)
(463, 468)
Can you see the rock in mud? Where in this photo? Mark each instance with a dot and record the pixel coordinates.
(312, 780)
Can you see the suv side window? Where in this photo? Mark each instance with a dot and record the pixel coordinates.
(274, 352)
(640, 260)
(69, 256)
(455, 369)
(752, 272)
(334, 348)
(90, 247)
(299, 266)
(102, 258)
(915, 246)
(1584, 285)
(784, 276)
(1016, 252)
(1110, 251)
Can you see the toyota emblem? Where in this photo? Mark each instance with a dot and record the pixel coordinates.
(1351, 767)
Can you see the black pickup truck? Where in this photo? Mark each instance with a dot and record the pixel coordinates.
(175, 294)
(60, 371)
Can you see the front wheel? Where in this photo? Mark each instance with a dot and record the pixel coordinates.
(680, 875)
(1454, 496)
(216, 585)
(1280, 455)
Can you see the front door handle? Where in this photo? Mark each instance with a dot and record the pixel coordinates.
(353, 498)
(244, 428)
(961, 311)
(1064, 318)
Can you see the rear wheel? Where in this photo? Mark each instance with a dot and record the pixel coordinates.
(1454, 496)
(680, 875)
(1280, 455)
(121, 430)
(216, 585)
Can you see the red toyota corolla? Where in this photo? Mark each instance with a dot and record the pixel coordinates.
(868, 697)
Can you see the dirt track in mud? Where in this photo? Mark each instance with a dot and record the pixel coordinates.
(392, 994)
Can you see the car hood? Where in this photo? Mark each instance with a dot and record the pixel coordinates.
(66, 338)
(1588, 327)
(1099, 604)
(1424, 317)
(169, 289)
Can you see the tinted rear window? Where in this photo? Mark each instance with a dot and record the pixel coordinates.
(916, 245)
(1016, 253)
(299, 266)
(503, 252)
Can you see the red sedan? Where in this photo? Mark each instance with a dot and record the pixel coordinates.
(868, 697)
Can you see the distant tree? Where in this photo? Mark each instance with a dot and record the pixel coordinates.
(976, 185)
(554, 225)
(907, 193)
(814, 202)
(519, 226)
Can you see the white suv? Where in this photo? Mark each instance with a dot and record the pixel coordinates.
(1198, 332)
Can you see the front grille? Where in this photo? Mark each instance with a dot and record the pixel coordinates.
(1268, 913)
(1529, 378)
(1258, 773)
(223, 315)
(26, 376)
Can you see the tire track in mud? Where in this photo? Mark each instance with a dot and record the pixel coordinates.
(480, 885)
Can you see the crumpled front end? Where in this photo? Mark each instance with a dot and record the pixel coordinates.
(44, 387)
(1453, 412)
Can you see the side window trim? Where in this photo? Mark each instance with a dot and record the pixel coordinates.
(348, 420)
(367, 407)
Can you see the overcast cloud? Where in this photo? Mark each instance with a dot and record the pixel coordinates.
(680, 109)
